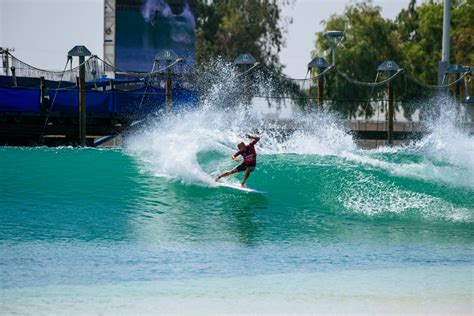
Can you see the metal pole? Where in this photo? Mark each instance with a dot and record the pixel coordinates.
(446, 30)
(443, 64)
(82, 102)
(390, 114)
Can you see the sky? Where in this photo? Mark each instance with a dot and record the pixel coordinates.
(43, 31)
(307, 17)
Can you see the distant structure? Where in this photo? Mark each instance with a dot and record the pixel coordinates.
(135, 30)
(109, 34)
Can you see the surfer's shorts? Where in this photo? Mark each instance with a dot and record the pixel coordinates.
(243, 167)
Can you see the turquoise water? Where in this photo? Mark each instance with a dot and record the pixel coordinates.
(143, 228)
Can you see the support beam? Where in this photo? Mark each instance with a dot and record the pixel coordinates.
(390, 114)
(390, 67)
(81, 52)
(82, 102)
(321, 65)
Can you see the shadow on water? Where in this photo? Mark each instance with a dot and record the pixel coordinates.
(245, 208)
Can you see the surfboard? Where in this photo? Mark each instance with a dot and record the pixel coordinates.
(238, 187)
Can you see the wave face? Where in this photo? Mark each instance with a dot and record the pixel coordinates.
(309, 161)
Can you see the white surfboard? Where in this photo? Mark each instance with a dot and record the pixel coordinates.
(238, 187)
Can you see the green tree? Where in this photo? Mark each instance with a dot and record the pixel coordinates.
(227, 28)
(462, 33)
(421, 28)
(422, 50)
(369, 40)
(413, 40)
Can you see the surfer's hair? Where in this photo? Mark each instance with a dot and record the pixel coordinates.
(241, 145)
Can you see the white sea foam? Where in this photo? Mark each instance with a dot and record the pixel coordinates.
(171, 146)
(447, 152)
(366, 194)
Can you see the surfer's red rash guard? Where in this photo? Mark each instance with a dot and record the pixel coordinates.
(250, 155)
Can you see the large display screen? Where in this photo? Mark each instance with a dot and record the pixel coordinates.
(144, 27)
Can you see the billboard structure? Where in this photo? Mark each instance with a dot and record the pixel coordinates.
(136, 30)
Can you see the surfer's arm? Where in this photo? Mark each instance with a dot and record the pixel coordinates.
(234, 156)
(252, 137)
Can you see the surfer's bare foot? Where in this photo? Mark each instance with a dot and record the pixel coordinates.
(242, 185)
(217, 179)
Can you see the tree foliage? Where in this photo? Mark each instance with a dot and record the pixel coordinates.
(413, 40)
(227, 28)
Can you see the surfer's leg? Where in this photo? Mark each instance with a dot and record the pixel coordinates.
(239, 168)
(227, 173)
(246, 175)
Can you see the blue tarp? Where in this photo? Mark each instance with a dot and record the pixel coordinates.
(67, 102)
(142, 101)
(21, 100)
(138, 102)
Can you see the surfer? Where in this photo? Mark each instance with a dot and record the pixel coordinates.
(250, 159)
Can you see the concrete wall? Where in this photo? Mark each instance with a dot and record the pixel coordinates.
(43, 31)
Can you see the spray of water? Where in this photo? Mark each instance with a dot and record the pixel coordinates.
(447, 151)
(171, 145)
(448, 141)
(192, 146)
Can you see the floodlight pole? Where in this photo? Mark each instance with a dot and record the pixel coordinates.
(390, 113)
(446, 30)
(390, 67)
(333, 36)
(320, 64)
(444, 63)
(82, 101)
(244, 62)
(81, 52)
(167, 57)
